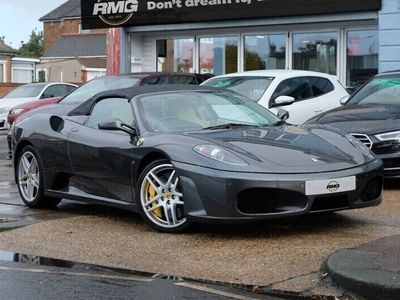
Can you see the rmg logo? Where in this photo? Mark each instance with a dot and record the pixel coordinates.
(112, 7)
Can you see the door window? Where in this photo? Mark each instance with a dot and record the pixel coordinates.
(110, 109)
(57, 90)
(302, 88)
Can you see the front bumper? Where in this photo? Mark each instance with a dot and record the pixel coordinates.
(218, 196)
(391, 163)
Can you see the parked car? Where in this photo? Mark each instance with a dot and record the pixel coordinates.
(105, 83)
(18, 110)
(31, 92)
(132, 79)
(303, 94)
(372, 115)
(181, 154)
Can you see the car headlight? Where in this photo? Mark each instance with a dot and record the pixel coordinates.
(16, 111)
(389, 136)
(364, 149)
(219, 154)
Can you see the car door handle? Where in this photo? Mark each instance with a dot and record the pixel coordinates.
(74, 129)
(318, 110)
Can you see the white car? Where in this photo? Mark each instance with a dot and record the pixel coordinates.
(303, 94)
(31, 92)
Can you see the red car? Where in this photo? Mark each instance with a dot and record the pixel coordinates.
(23, 108)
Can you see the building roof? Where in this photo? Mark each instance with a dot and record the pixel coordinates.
(70, 9)
(5, 49)
(84, 45)
(95, 63)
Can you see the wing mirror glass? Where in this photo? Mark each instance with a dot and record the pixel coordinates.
(117, 124)
(284, 100)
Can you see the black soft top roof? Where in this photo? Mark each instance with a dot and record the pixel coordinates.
(132, 92)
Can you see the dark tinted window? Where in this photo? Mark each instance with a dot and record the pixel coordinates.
(99, 85)
(302, 88)
(182, 79)
(111, 109)
(154, 80)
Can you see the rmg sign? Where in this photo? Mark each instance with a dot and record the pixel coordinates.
(112, 7)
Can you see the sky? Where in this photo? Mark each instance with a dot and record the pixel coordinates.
(19, 17)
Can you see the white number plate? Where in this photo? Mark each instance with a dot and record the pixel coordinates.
(330, 186)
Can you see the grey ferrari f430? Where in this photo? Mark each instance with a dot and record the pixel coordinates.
(182, 154)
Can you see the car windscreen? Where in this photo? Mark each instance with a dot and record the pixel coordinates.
(25, 91)
(184, 111)
(99, 85)
(380, 90)
(252, 87)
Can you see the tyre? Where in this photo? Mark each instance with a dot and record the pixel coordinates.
(160, 199)
(30, 180)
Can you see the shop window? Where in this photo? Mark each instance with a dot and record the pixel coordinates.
(362, 56)
(218, 55)
(315, 52)
(175, 55)
(263, 52)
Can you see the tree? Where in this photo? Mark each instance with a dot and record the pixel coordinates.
(2, 39)
(34, 47)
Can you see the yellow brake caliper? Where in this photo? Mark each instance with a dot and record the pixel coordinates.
(152, 193)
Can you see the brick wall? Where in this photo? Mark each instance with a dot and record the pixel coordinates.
(7, 87)
(54, 30)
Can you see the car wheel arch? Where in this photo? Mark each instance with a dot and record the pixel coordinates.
(145, 161)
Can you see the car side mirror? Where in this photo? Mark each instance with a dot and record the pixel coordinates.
(284, 100)
(283, 114)
(344, 100)
(118, 125)
(45, 96)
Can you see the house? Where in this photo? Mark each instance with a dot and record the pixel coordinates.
(15, 70)
(70, 53)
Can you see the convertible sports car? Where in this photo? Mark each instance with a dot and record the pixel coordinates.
(179, 154)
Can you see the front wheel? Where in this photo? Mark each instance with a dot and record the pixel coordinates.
(30, 180)
(161, 199)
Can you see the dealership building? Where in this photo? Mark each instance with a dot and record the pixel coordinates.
(353, 39)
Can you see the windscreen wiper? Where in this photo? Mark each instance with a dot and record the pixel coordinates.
(229, 126)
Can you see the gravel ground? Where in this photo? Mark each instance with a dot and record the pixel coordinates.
(260, 254)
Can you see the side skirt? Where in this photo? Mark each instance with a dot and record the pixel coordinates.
(91, 199)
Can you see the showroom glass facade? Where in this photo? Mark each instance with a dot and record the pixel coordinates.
(350, 54)
(362, 56)
(264, 51)
(315, 52)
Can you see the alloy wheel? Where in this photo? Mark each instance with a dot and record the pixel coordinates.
(161, 198)
(28, 176)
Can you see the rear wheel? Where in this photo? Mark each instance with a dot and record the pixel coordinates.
(161, 199)
(30, 180)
